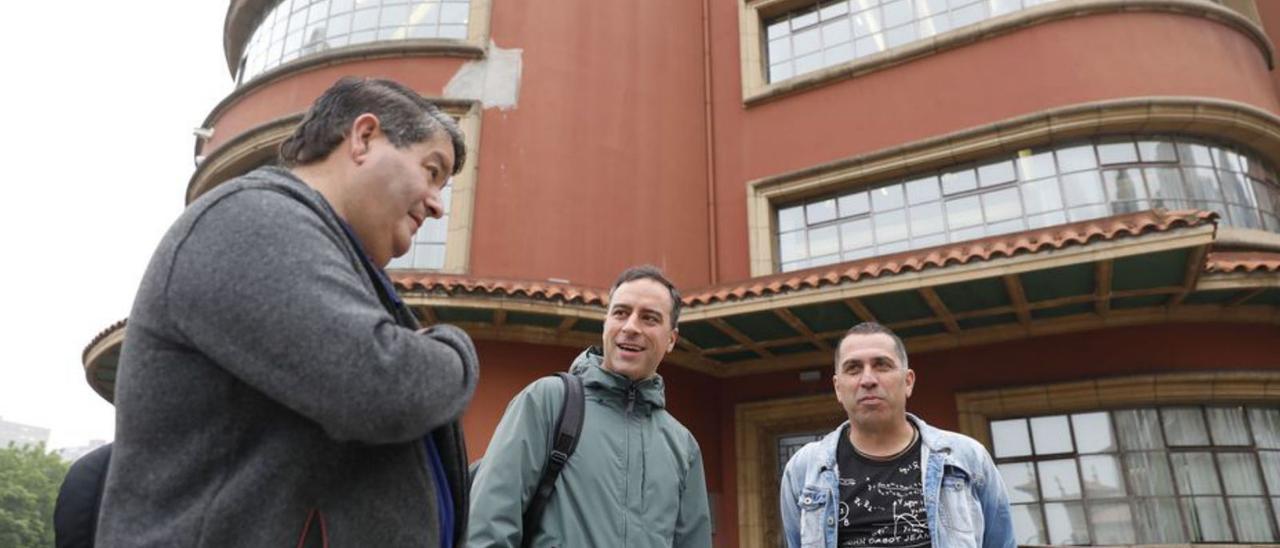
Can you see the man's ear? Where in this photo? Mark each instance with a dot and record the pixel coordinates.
(363, 129)
(675, 335)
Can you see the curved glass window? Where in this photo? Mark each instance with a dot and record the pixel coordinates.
(822, 34)
(1156, 475)
(427, 252)
(298, 28)
(1028, 190)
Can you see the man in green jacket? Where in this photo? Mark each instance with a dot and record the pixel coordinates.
(636, 477)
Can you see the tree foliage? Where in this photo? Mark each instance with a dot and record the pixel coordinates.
(29, 481)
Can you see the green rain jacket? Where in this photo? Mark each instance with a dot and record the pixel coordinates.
(635, 480)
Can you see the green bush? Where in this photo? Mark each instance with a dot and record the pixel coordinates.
(29, 481)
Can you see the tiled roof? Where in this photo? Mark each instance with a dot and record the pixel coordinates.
(1242, 261)
(542, 291)
(102, 335)
(1007, 245)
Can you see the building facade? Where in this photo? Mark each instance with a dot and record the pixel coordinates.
(1069, 209)
(21, 435)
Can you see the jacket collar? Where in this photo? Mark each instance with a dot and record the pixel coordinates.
(931, 437)
(590, 366)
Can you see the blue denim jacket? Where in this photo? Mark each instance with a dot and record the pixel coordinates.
(964, 497)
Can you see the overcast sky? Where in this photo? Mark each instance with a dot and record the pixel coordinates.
(98, 103)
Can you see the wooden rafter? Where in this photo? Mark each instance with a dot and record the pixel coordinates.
(1244, 297)
(787, 316)
(428, 315)
(860, 310)
(1191, 275)
(1018, 297)
(939, 308)
(566, 324)
(736, 335)
(499, 317)
(1102, 286)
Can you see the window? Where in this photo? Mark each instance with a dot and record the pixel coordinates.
(789, 444)
(824, 34)
(297, 28)
(1143, 475)
(427, 252)
(1028, 190)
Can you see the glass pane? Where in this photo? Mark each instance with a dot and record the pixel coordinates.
(1227, 426)
(854, 204)
(1051, 435)
(1250, 516)
(1201, 184)
(1165, 186)
(1010, 438)
(886, 198)
(819, 212)
(808, 63)
(1020, 481)
(1207, 517)
(780, 28)
(834, 9)
(1066, 524)
(1194, 473)
(428, 256)
(1234, 187)
(1148, 473)
(1117, 153)
(780, 49)
(1158, 521)
(1123, 185)
(1240, 473)
(926, 219)
(1047, 219)
(1077, 158)
(1035, 166)
(1112, 523)
(1184, 426)
(1002, 205)
(1101, 476)
(997, 173)
(837, 32)
(1225, 159)
(791, 246)
(855, 234)
(959, 181)
(964, 212)
(823, 241)
(1093, 432)
(1266, 427)
(1195, 154)
(780, 72)
(1005, 227)
(1058, 479)
(1157, 151)
(805, 42)
(1027, 528)
(1271, 470)
(1139, 429)
(1082, 188)
(923, 190)
(1040, 196)
(891, 226)
(897, 12)
(790, 218)
(867, 22)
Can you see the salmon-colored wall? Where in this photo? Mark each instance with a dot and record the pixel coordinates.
(295, 92)
(1053, 64)
(1061, 358)
(1269, 12)
(602, 164)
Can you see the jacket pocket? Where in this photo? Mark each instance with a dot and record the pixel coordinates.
(956, 507)
(315, 532)
(813, 513)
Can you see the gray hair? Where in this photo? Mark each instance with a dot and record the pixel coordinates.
(873, 328)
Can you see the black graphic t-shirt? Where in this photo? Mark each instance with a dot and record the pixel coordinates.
(881, 501)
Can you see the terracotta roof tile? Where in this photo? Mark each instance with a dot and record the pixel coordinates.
(542, 291)
(102, 335)
(1008, 245)
(1242, 261)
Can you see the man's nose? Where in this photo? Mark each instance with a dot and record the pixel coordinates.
(868, 379)
(632, 323)
(434, 205)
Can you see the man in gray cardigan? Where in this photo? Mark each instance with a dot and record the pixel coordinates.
(273, 390)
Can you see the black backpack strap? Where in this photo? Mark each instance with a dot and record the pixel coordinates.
(568, 428)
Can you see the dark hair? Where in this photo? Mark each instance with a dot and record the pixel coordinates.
(650, 272)
(406, 118)
(872, 328)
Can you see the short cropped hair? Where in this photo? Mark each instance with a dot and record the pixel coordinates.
(872, 328)
(406, 118)
(650, 272)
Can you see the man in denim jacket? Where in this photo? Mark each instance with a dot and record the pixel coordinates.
(884, 477)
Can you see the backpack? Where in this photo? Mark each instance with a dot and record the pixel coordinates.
(568, 428)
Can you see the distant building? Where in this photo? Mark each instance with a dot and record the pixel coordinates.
(21, 434)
